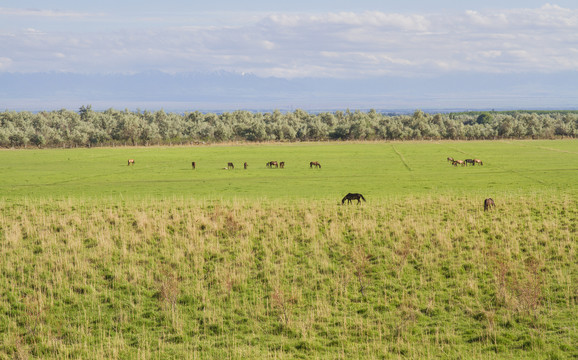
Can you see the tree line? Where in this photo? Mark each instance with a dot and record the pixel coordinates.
(86, 127)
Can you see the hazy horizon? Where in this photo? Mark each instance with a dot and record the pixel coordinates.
(224, 91)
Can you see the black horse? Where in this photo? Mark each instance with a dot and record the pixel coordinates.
(488, 204)
(352, 196)
(470, 161)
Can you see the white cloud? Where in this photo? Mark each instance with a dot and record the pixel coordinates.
(269, 45)
(368, 18)
(342, 44)
(32, 32)
(5, 63)
(44, 13)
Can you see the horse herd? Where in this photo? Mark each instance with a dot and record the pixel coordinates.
(488, 203)
(231, 166)
(316, 164)
(275, 164)
(465, 162)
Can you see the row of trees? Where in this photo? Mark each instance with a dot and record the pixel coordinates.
(65, 128)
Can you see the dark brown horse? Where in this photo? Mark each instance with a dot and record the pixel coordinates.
(488, 204)
(230, 166)
(315, 163)
(194, 165)
(352, 196)
(282, 164)
(245, 166)
(469, 161)
(272, 163)
(130, 161)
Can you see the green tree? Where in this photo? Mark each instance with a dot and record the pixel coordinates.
(340, 132)
(37, 140)
(18, 139)
(222, 132)
(484, 118)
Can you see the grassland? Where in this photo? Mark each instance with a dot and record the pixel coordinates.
(378, 170)
(102, 260)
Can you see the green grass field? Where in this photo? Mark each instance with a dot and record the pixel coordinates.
(101, 260)
(378, 170)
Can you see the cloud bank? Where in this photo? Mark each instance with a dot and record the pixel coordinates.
(288, 45)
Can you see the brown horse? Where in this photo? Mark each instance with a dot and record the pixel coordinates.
(245, 166)
(315, 163)
(130, 161)
(230, 166)
(352, 196)
(488, 204)
(478, 161)
(273, 163)
(450, 159)
(458, 162)
(194, 165)
(282, 164)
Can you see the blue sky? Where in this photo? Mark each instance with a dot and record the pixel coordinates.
(327, 39)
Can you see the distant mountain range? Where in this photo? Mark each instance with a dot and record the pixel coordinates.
(225, 91)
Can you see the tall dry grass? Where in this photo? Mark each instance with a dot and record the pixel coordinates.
(416, 277)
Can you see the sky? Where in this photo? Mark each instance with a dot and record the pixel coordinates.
(325, 39)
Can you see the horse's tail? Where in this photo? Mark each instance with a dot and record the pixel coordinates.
(362, 197)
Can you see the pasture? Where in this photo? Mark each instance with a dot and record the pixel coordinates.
(103, 260)
(378, 170)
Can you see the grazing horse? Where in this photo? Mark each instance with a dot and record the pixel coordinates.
(194, 165)
(450, 159)
(245, 166)
(458, 162)
(470, 161)
(282, 164)
(352, 196)
(488, 204)
(478, 161)
(130, 161)
(230, 166)
(272, 163)
(315, 163)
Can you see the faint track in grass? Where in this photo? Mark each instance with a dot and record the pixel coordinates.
(526, 145)
(458, 150)
(521, 174)
(401, 158)
(542, 147)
